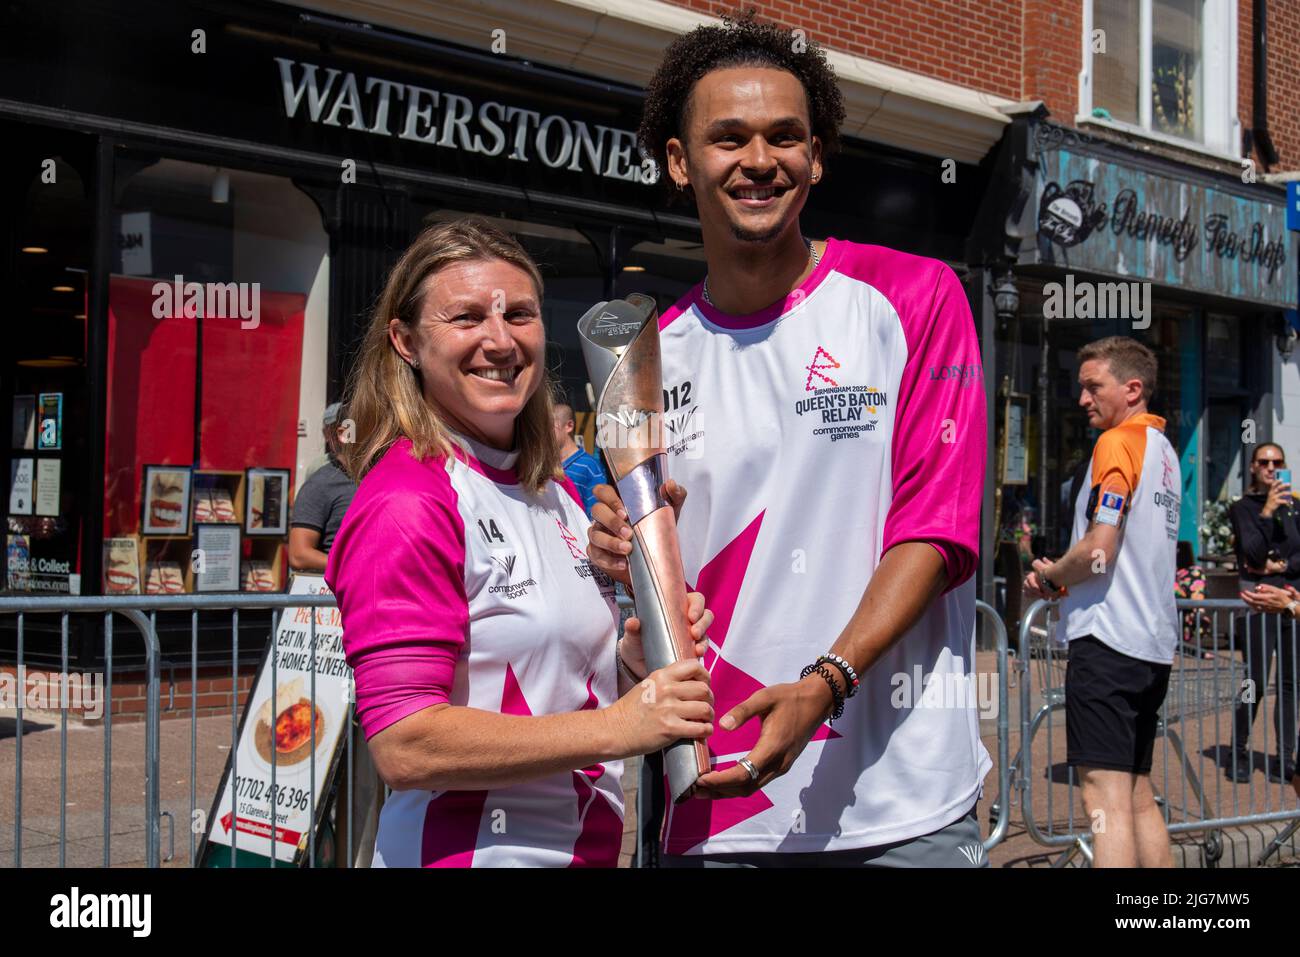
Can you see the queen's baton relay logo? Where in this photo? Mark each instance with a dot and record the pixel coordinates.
(839, 411)
(608, 324)
(822, 360)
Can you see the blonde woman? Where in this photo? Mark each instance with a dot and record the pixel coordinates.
(481, 637)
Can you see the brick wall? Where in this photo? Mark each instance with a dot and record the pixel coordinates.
(1020, 49)
(211, 687)
(974, 43)
(1245, 63)
(1053, 55)
(1283, 77)
(211, 694)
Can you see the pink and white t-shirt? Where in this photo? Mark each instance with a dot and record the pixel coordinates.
(456, 585)
(812, 437)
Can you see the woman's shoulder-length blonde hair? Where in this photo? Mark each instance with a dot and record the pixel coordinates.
(385, 395)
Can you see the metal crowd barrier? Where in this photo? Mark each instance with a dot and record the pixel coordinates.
(1001, 814)
(142, 612)
(1216, 669)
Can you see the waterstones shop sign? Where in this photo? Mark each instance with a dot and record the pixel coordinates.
(384, 107)
(1121, 221)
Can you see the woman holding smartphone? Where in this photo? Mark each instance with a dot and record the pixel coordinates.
(1267, 535)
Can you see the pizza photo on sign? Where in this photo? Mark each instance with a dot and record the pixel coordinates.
(289, 729)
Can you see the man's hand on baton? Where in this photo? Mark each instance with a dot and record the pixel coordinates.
(790, 714)
(610, 537)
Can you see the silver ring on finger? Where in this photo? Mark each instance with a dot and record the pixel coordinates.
(748, 765)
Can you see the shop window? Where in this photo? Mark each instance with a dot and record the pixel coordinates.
(1165, 68)
(1116, 75)
(1223, 341)
(1166, 334)
(1225, 468)
(664, 269)
(43, 373)
(216, 376)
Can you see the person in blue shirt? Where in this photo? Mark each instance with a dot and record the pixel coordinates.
(582, 467)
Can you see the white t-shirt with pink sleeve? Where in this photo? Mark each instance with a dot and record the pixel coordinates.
(812, 437)
(458, 586)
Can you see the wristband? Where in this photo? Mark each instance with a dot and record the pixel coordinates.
(837, 699)
(1049, 584)
(846, 669)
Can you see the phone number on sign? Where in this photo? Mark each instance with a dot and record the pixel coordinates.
(256, 789)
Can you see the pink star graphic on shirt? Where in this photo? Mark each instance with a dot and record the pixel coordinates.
(720, 581)
(599, 824)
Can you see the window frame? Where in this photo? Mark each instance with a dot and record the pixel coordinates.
(1221, 126)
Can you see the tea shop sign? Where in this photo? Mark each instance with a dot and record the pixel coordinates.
(1109, 218)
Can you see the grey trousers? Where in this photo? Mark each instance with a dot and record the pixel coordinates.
(955, 845)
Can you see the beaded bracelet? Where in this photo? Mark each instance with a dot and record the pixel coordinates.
(846, 669)
(837, 697)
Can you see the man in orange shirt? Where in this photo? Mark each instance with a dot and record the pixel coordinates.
(1116, 585)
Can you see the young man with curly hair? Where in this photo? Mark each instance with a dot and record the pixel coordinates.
(836, 474)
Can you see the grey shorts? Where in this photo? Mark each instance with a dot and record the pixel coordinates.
(958, 844)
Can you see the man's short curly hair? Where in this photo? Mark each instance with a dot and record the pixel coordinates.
(742, 40)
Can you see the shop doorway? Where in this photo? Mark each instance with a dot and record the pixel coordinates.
(47, 224)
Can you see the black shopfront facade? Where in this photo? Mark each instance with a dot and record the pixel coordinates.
(240, 143)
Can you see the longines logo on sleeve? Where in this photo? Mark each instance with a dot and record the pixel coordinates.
(841, 411)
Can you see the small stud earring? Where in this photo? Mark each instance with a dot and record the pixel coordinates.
(415, 363)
